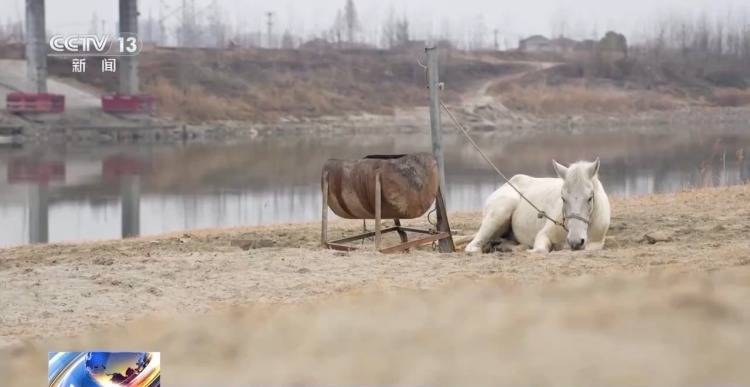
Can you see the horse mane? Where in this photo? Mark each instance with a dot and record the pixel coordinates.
(578, 173)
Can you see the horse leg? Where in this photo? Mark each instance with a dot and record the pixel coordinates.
(600, 235)
(598, 244)
(542, 244)
(542, 241)
(594, 246)
(496, 221)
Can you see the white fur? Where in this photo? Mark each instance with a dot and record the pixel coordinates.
(506, 210)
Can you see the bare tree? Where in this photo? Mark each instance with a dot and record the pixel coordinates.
(216, 27)
(287, 41)
(94, 26)
(707, 48)
(445, 31)
(338, 28)
(150, 27)
(402, 32)
(559, 23)
(352, 20)
(388, 31)
(478, 33)
(187, 31)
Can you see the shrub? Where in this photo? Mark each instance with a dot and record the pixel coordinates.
(727, 78)
(731, 97)
(569, 99)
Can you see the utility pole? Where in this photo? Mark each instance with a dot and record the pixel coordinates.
(269, 24)
(94, 28)
(437, 138)
(182, 37)
(497, 44)
(269, 38)
(193, 26)
(441, 225)
(150, 27)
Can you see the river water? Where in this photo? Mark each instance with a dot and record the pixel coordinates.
(54, 193)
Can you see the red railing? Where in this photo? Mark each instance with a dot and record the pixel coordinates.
(20, 102)
(26, 169)
(120, 103)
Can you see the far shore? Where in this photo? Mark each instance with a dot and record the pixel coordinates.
(498, 122)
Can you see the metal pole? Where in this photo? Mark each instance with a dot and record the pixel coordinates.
(437, 139)
(128, 64)
(378, 198)
(269, 25)
(36, 46)
(324, 223)
(130, 189)
(39, 214)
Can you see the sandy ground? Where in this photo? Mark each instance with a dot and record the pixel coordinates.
(673, 312)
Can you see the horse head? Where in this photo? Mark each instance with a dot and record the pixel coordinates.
(578, 199)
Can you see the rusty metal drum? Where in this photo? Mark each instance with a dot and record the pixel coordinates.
(409, 184)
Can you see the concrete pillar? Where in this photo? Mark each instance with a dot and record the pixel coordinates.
(36, 46)
(130, 191)
(39, 213)
(128, 64)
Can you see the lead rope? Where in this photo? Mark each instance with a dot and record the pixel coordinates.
(540, 214)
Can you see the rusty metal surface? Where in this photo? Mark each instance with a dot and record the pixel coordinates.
(416, 242)
(404, 246)
(409, 185)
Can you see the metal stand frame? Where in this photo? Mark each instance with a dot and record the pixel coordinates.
(442, 234)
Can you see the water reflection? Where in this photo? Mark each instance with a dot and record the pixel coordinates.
(130, 192)
(38, 213)
(104, 192)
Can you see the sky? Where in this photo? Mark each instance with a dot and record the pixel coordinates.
(513, 19)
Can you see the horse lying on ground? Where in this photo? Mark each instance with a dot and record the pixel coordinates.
(575, 199)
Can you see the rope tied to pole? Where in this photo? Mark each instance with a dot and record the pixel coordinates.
(540, 213)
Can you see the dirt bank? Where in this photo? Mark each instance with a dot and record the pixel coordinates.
(671, 312)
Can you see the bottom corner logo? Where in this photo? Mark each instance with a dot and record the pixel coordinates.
(93, 369)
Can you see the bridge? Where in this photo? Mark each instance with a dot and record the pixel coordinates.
(40, 107)
(37, 46)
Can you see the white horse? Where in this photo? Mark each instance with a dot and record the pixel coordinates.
(576, 199)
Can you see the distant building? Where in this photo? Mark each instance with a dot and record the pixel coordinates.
(563, 44)
(612, 42)
(317, 44)
(536, 43)
(325, 44)
(586, 45)
(539, 43)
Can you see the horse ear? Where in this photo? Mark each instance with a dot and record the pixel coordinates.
(560, 169)
(594, 168)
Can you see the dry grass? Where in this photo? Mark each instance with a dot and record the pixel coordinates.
(245, 87)
(671, 313)
(568, 99)
(199, 85)
(192, 103)
(262, 85)
(663, 328)
(731, 97)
